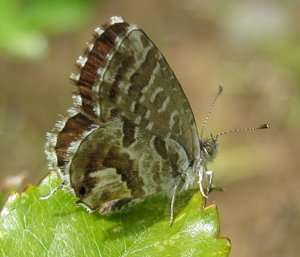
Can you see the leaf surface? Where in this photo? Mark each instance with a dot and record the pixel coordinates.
(57, 226)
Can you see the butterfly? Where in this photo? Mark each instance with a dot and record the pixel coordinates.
(131, 132)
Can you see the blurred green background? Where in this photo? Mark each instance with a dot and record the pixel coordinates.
(250, 47)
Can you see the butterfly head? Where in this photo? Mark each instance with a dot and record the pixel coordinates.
(209, 148)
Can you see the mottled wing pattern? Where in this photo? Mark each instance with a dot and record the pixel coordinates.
(132, 132)
(125, 75)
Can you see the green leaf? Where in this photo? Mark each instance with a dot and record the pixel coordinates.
(57, 226)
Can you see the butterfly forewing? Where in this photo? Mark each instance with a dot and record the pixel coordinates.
(135, 81)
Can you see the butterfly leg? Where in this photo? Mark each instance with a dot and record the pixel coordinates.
(45, 197)
(200, 182)
(173, 201)
(205, 174)
(209, 175)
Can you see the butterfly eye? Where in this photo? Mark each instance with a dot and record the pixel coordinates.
(209, 150)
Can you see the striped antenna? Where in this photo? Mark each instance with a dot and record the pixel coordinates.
(220, 89)
(262, 126)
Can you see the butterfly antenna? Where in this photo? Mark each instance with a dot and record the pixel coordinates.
(220, 89)
(262, 126)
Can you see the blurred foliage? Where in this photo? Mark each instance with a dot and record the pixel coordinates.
(24, 24)
(3, 198)
(10, 184)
